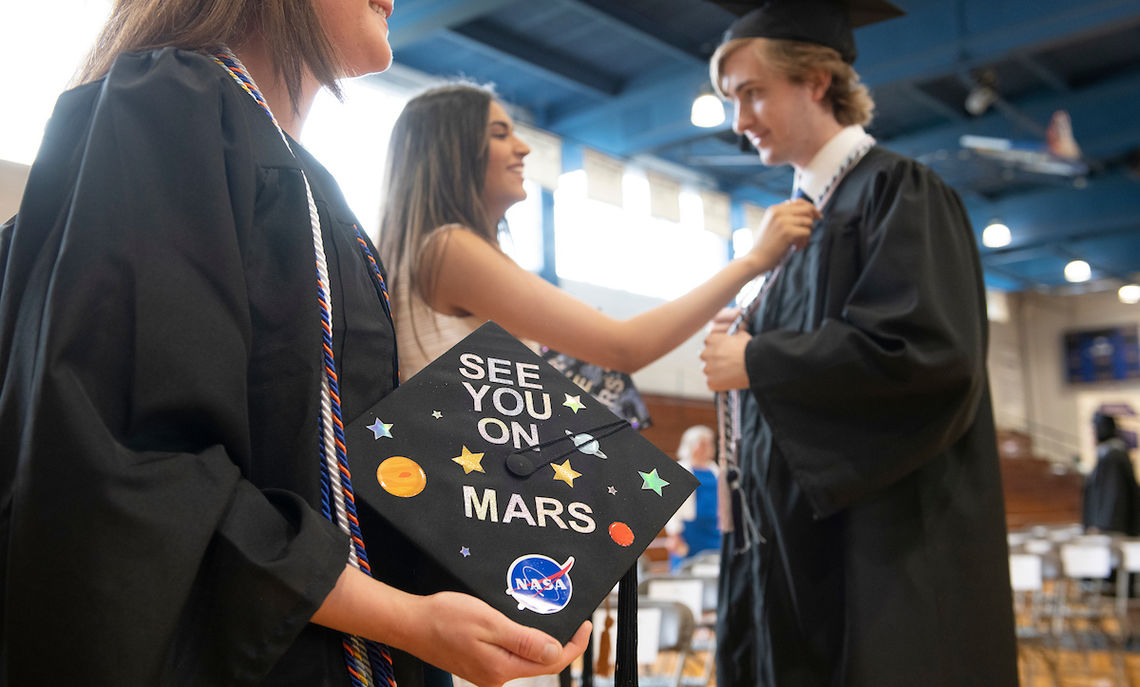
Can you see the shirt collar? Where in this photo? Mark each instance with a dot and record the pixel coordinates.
(814, 178)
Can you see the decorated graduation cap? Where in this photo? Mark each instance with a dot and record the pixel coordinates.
(823, 22)
(526, 491)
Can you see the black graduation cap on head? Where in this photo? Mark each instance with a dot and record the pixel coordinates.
(824, 22)
(527, 491)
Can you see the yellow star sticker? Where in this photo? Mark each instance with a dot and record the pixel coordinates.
(471, 462)
(565, 473)
(574, 403)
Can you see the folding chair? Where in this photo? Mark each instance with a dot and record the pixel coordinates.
(664, 642)
(1031, 613)
(1085, 610)
(1129, 550)
(699, 593)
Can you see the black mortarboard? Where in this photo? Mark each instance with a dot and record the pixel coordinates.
(824, 22)
(529, 493)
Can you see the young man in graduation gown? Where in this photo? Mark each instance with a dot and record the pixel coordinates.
(1111, 496)
(869, 543)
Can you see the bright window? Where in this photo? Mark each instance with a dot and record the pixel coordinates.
(351, 140)
(626, 249)
(524, 242)
(45, 43)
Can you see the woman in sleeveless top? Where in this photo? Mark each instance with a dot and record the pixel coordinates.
(455, 165)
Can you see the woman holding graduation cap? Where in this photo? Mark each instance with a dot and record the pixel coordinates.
(188, 311)
(868, 543)
(454, 168)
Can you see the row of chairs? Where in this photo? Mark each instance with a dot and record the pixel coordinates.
(676, 627)
(1072, 592)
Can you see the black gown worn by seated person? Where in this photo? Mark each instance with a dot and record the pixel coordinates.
(161, 358)
(869, 458)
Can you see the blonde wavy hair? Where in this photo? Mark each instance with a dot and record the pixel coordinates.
(799, 62)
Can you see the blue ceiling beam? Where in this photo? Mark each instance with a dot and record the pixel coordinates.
(1105, 115)
(922, 45)
(645, 115)
(1109, 204)
(940, 38)
(631, 32)
(933, 104)
(527, 55)
(413, 20)
(1046, 75)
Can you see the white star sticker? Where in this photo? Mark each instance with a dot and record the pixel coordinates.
(380, 429)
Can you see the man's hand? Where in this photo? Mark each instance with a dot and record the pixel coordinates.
(724, 360)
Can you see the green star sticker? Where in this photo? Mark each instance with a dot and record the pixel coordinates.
(574, 403)
(652, 481)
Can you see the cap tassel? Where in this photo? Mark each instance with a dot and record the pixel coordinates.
(588, 664)
(625, 672)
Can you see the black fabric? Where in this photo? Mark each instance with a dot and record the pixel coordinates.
(869, 455)
(1111, 496)
(161, 359)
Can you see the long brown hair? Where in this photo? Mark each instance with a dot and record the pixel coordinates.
(437, 164)
(291, 30)
(797, 61)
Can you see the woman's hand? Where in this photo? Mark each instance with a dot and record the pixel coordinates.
(465, 636)
(455, 632)
(785, 225)
(723, 320)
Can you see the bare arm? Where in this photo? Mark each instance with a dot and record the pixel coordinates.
(455, 632)
(476, 278)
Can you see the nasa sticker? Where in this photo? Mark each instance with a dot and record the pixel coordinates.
(540, 584)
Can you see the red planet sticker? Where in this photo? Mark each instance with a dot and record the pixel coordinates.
(621, 534)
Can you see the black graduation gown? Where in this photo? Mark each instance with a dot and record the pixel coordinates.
(1111, 496)
(869, 457)
(161, 359)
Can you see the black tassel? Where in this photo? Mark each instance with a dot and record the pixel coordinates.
(625, 671)
(588, 664)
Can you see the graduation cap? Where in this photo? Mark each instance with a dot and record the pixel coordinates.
(824, 22)
(526, 491)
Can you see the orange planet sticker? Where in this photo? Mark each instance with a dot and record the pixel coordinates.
(621, 534)
(400, 476)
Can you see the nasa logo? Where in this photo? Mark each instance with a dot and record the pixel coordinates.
(540, 584)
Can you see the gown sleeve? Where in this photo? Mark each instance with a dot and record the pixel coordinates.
(138, 553)
(869, 396)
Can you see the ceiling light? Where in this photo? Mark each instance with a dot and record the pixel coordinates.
(707, 112)
(1129, 293)
(979, 99)
(1077, 271)
(983, 92)
(995, 235)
